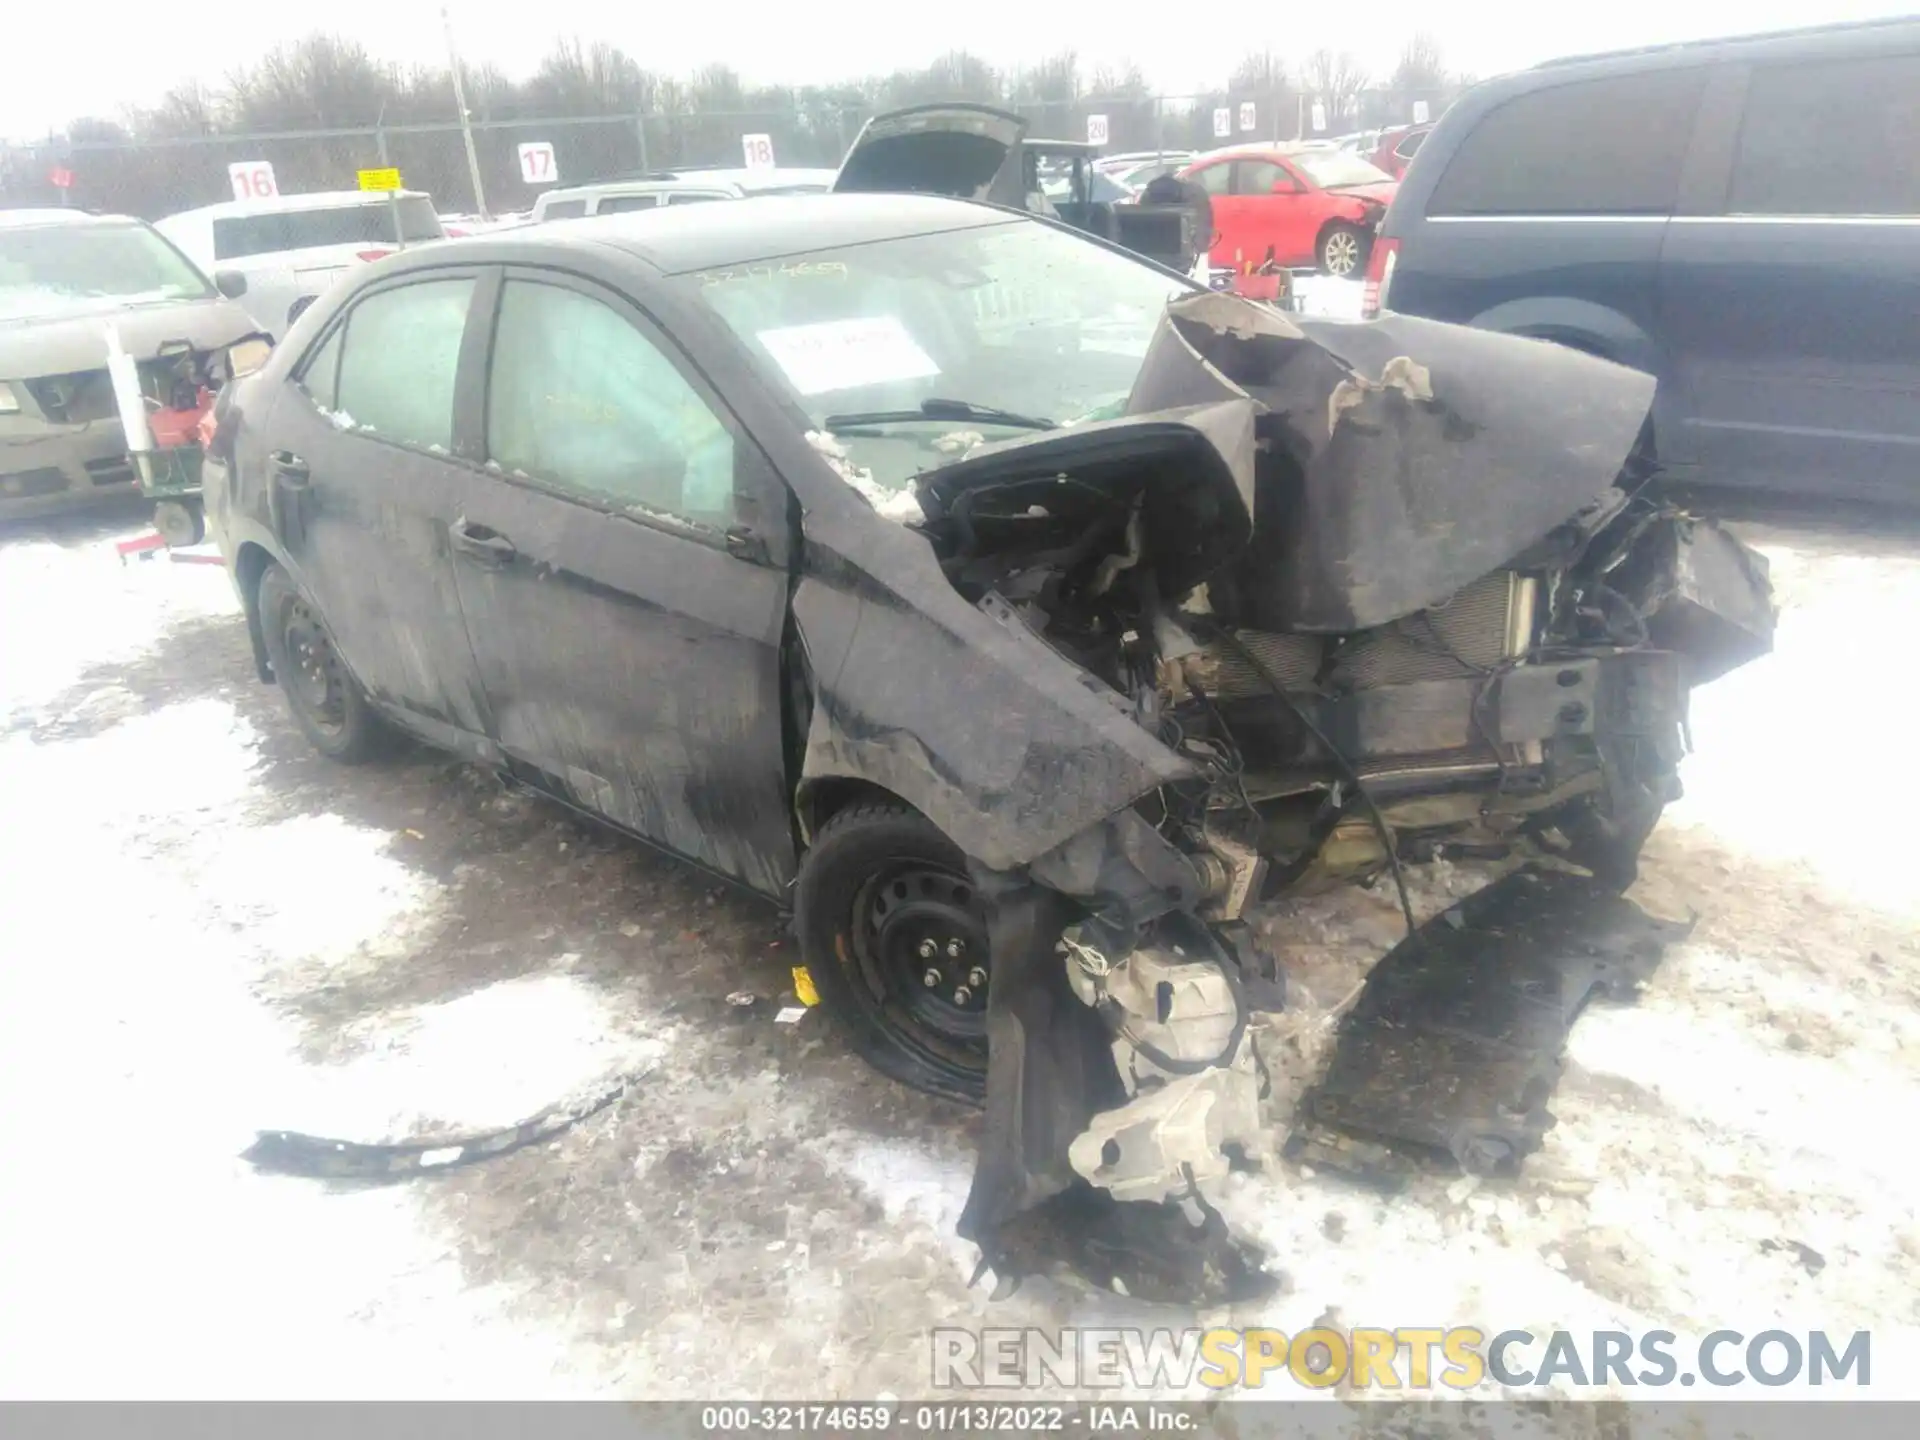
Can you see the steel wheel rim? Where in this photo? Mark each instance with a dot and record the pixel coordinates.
(920, 953)
(314, 680)
(1342, 253)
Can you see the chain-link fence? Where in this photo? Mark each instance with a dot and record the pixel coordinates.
(160, 176)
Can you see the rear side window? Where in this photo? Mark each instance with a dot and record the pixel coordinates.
(402, 353)
(1594, 147)
(1841, 137)
(1215, 179)
(319, 377)
(613, 204)
(692, 197)
(238, 236)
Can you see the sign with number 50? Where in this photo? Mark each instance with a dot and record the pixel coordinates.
(252, 180)
(536, 163)
(759, 151)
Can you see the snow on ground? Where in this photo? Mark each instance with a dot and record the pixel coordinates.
(212, 931)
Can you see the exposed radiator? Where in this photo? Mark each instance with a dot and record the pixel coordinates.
(1489, 621)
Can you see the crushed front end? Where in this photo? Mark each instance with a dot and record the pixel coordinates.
(1416, 602)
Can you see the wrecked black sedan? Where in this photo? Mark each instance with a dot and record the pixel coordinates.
(1015, 611)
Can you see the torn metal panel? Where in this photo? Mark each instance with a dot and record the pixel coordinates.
(1405, 459)
(1454, 1045)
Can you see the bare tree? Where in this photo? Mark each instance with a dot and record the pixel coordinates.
(1336, 82)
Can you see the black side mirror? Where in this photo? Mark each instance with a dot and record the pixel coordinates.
(230, 283)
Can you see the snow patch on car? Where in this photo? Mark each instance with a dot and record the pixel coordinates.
(902, 505)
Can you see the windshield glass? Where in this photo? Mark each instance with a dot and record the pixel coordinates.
(237, 236)
(1331, 168)
(55, 267)
(1017, 317)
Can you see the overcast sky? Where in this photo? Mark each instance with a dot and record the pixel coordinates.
(128, 54)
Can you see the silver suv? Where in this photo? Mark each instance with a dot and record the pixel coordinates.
(676, 187)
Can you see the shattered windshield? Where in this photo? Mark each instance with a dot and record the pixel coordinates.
(1019, 318)
(48, 268)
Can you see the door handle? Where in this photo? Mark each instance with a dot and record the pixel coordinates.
(477, 542)
(289, 470)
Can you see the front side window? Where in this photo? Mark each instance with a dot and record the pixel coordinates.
(1258, 177)
(614, 204)
(1593, 147)
(45, 269)
(564, 210)
(1016, 316)
(692, 197)
(1841, 137)
(400, 357)
(581, 398)
(320, 376)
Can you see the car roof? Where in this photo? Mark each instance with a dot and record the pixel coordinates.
(677, 239)
(45, 216)
(283, 204)
(1703, 49)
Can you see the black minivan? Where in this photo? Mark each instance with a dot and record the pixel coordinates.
(1739, 218)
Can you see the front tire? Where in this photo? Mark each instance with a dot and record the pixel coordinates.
(895, 938)
(327, 702)
(1343, 251)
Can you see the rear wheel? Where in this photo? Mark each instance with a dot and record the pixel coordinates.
(895, 938)
(327, 702)
(1343, 250)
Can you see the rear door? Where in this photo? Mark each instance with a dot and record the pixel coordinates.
(621, 565)
(1790, 296)
(361, 475)
(1547, 218)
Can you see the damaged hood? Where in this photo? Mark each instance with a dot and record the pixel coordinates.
(1395, 461)
(971, 152)
(70, 341)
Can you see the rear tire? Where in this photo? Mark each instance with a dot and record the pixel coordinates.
(1343, 251)
(327, 702)
(895, 939)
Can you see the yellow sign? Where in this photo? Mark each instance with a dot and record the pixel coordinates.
(388, 179)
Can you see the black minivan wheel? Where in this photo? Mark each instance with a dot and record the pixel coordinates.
(895, 938)
(327, 702)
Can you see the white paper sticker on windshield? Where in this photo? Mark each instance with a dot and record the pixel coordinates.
(845, 354)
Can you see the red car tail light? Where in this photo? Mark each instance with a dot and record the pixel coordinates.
(1373, 299)
(370, 254)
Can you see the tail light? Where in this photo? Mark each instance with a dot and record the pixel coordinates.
(370, 254)
(1373, 298)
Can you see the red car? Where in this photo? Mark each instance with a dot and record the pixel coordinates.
(1397, 148)
(1312, 207)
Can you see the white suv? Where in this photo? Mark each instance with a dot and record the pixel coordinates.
(676, 187)
(292, 247)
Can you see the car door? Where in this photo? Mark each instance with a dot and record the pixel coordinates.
(1280, 209)
(1216, 178)
(1789, 297)
(1546, 218)
(621, 565)
(361, 477)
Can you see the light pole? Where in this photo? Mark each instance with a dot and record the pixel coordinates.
(466, 124)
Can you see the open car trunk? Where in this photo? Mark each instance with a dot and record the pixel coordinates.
(975, 152)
